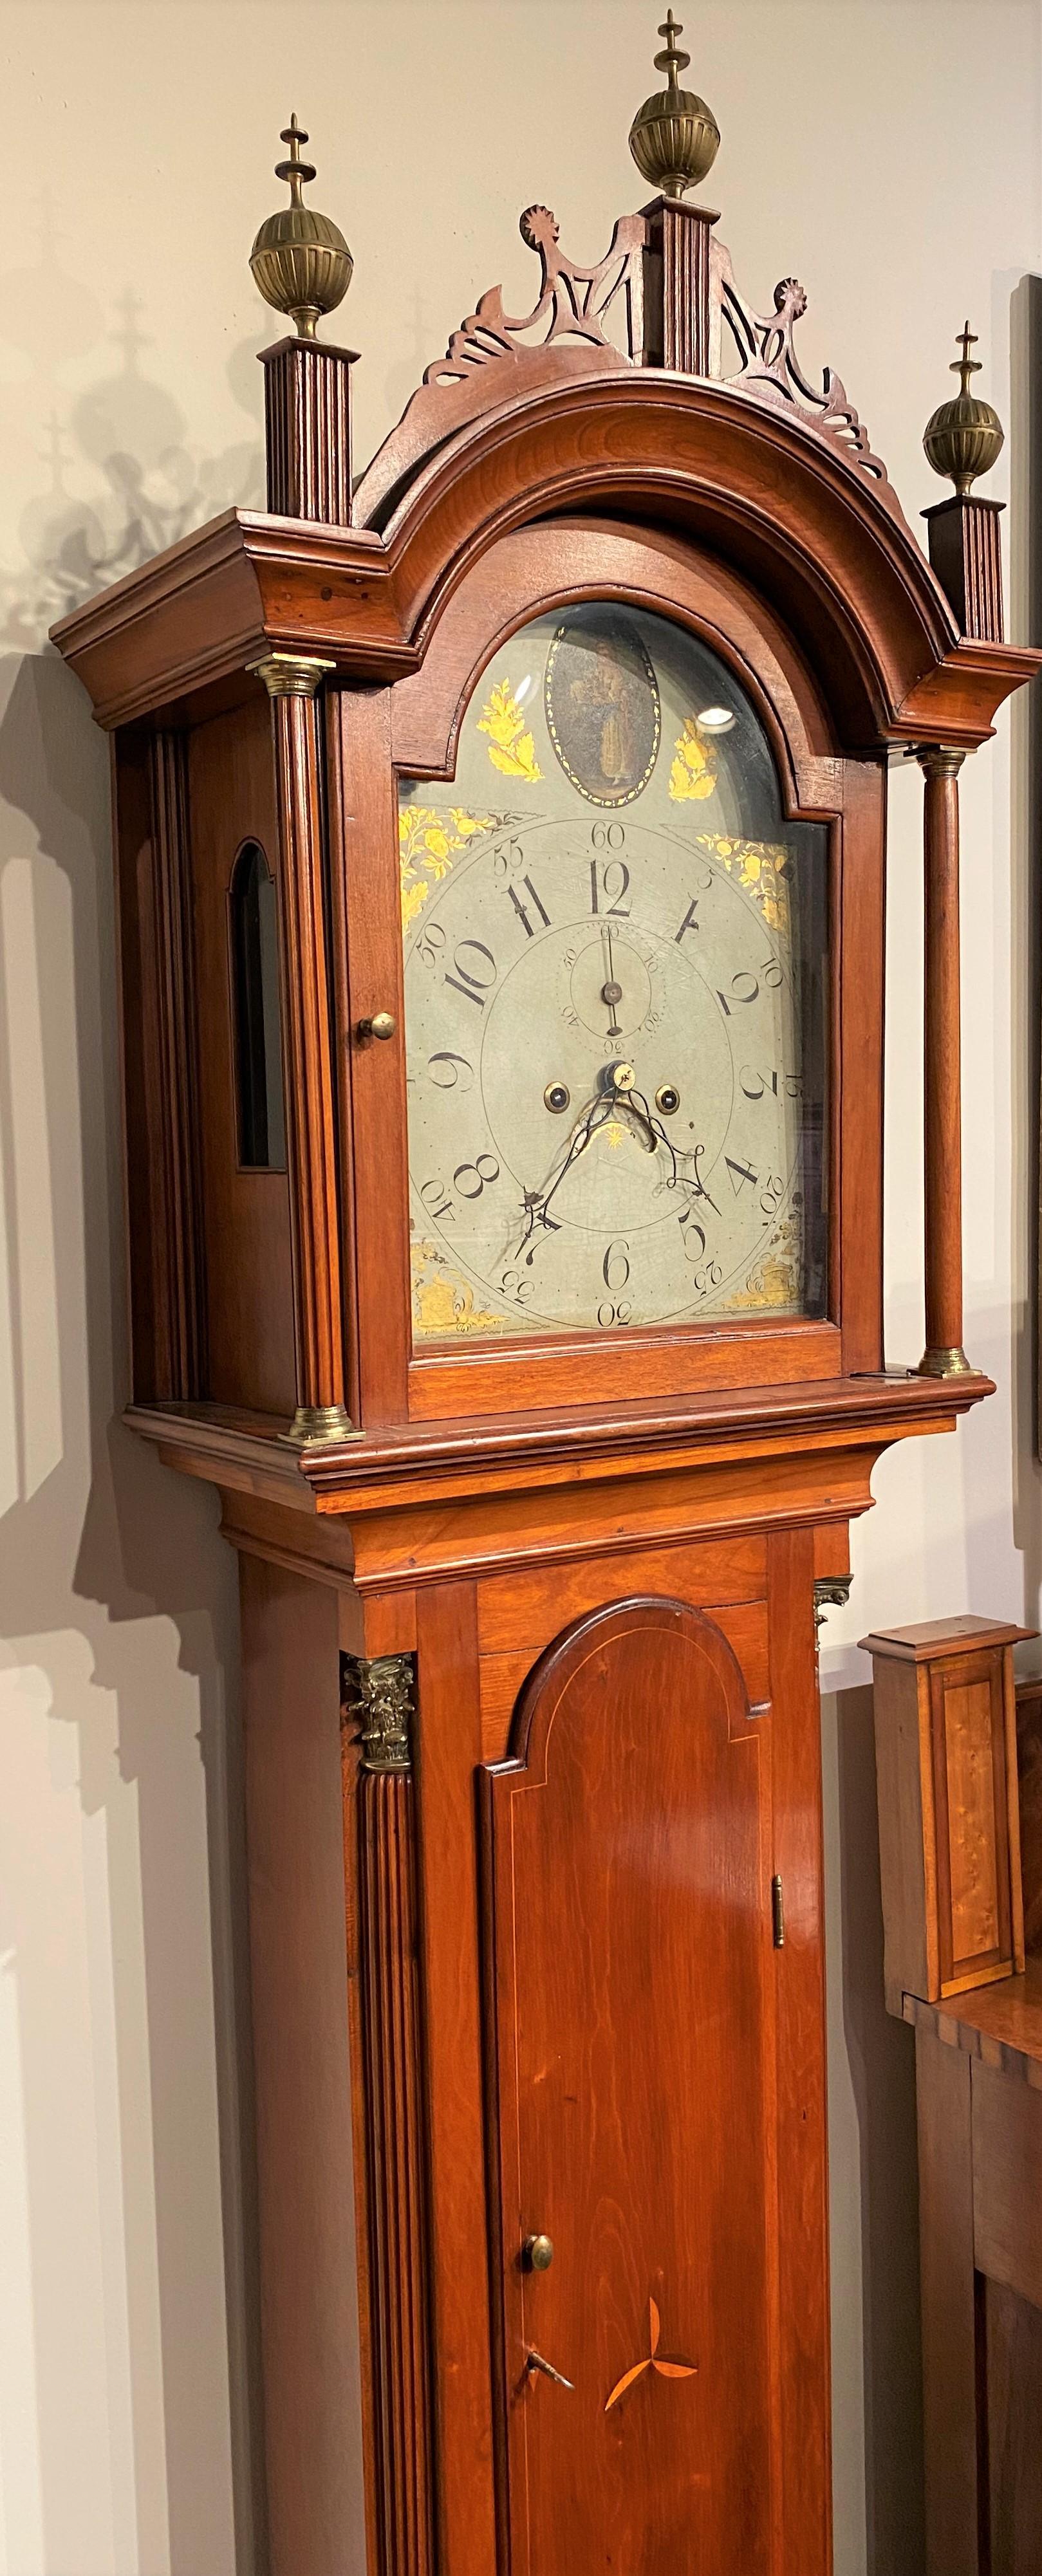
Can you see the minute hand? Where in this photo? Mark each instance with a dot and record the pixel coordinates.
(537, 1201)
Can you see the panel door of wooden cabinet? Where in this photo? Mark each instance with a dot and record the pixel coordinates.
(627, 1847)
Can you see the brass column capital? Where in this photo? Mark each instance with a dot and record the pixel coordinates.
(290, 675)
(831, 1592)
(938, 760)
(379, 1691)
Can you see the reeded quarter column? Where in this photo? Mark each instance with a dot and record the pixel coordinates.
(380, 1696)
(944, 1355)
(293, 682)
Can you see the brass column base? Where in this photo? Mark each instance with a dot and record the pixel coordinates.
(952, 1363)
(316, 1425)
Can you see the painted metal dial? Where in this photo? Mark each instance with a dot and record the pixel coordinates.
(613, 999)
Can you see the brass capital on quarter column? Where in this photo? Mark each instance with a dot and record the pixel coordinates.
(293, 681)
(937, 760)
(290, 675)
(380, 1691)
(942, 1066)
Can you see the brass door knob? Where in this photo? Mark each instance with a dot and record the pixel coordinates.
(382, 1025)
(537, 2253)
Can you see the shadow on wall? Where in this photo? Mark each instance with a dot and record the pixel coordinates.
(122, 433)
(127, 2195)
(873, 2149)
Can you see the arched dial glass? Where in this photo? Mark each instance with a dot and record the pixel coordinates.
(614, 998)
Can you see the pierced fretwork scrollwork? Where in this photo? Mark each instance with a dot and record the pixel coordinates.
(572, 301)
(379, 1692)
(617, 314)
(767, 356)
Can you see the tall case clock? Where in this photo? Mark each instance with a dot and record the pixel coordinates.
(500, 849)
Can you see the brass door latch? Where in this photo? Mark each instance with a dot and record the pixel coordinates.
(534, 2361)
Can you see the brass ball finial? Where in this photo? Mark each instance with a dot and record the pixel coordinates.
(300, 260)
(963, 438)
(674, 137)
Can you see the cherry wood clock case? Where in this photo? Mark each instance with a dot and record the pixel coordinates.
(605, 659)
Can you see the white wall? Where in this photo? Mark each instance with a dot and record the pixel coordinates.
(887, 151)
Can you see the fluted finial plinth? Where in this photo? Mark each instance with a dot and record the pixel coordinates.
(964, 437)
(674, 137)
(300, 260)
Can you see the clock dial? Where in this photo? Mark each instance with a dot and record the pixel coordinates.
(614, 998)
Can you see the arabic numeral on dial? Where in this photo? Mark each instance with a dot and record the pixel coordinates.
(484, 1171)
(513, 1285)
(783, 1086)
(744, 988)
(614, 1311)
(507, 858)
(608, 836)
(772, 1194)
(772, 974)
(610, 884)
(437, 1202)
(743, 1176)
(615, 1268)
(548, 1225)
(450, 1072)
(708, 1277)
(693, 1236)
(475, 971)
(430, 944)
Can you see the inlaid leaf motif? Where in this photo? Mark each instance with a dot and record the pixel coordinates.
(625, 2382)
(664, 2369)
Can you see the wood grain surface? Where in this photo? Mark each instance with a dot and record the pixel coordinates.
(246, 1215)
(631, 2017)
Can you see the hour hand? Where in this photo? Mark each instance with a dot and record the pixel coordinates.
(641, 1108)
